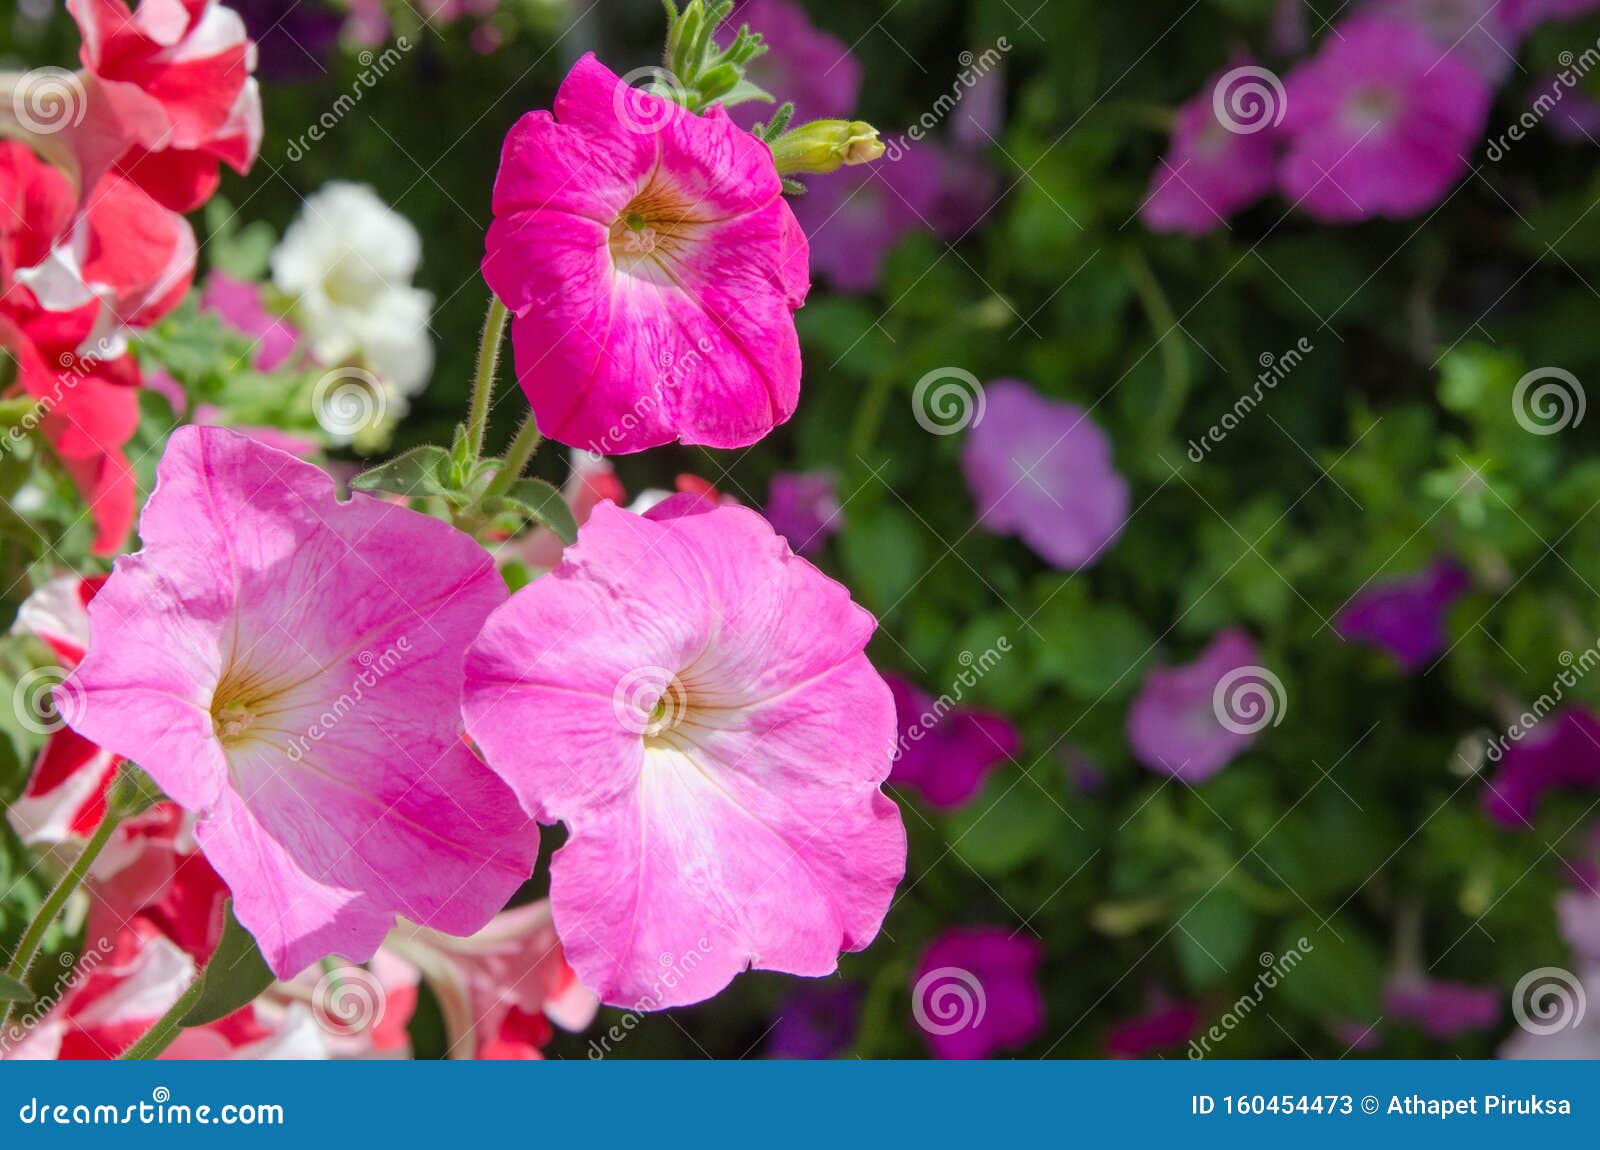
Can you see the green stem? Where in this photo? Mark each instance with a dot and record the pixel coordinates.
(516, 461)
(167, 1027)
(494, 329)
(869, 413)
(50, 909)
(1175, 364)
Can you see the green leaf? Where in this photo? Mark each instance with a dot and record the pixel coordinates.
(12, 990)
(1005, 826)
(421, 471)
(235, 975)
(1213, 937)
(542, 503)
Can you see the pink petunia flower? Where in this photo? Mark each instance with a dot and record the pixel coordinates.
(945, 752)
(1378, 123)
(1559, 752)
(1406, 617)
(1042, 470)
(238, 304)
(65, 796)
(803, 507)
(287, 666)
(500, 989)
(811, 68)
(1482, 34)
(653, 268)
(1193, 720)
(976, 991)
(170, 96)
(693, 701)
(1215, 167)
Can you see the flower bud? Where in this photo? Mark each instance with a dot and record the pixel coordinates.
(826, 145)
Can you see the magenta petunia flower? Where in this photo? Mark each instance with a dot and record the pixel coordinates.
(1560, 751)
(803, 507)
(1440, 1008)
(693, 701)
(1215, 167)
(1481, 34)
(1193, 720)
(1524, 15)
(1406, 617)
(976, 991)
(803, 64)
(1042, 470)
(1167, 1024)
(1379, 123)
(288, 666)
(855, 216)
(653, 268)
(944, 751)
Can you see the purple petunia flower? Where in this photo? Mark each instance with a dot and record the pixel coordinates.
(1406, 617)
(1166, 1025)
(1440, 1008)
(803, 64)
(853, 217)
(1378, 123)
(1042, 470)
(803, 507)
(816, 1021)
(1562, 751)
(976, 991)
(1193, 720)
(1479, 33)
(944, 752)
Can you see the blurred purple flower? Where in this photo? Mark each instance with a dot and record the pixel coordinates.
(1439, 1008)
(1084, 775)
(803, 507)
(945, 754)
(980, 115)
(1406, 617)
(1164, 1026)
(1176, 723)
(238, 304)
(965, 192)
(976, 990)
(1216, 167)
(1042, 470)
(853, 217)
(1479, 33)
(817, 1020)
(294, 38)
(1524, 15)
(1378, 123)
(803, 64)
(1561, 751)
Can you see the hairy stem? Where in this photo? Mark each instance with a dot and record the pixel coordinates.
(494, 328)
(167, 1027)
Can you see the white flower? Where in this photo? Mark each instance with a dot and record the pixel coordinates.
(348, 260)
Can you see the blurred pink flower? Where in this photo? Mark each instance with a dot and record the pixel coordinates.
(1176, 723)
(1439, 1008)
(803, 507)
(1041, 469)
(1406, 617)
(238, 304)
(945, 752)
(693, 701)
(1213, 168)
(1167, 1024)
(976, 991)
(803, 64)
(1560, 751)
(1479, 33)
(225, 658)
(1378, 123)
(653, 269)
